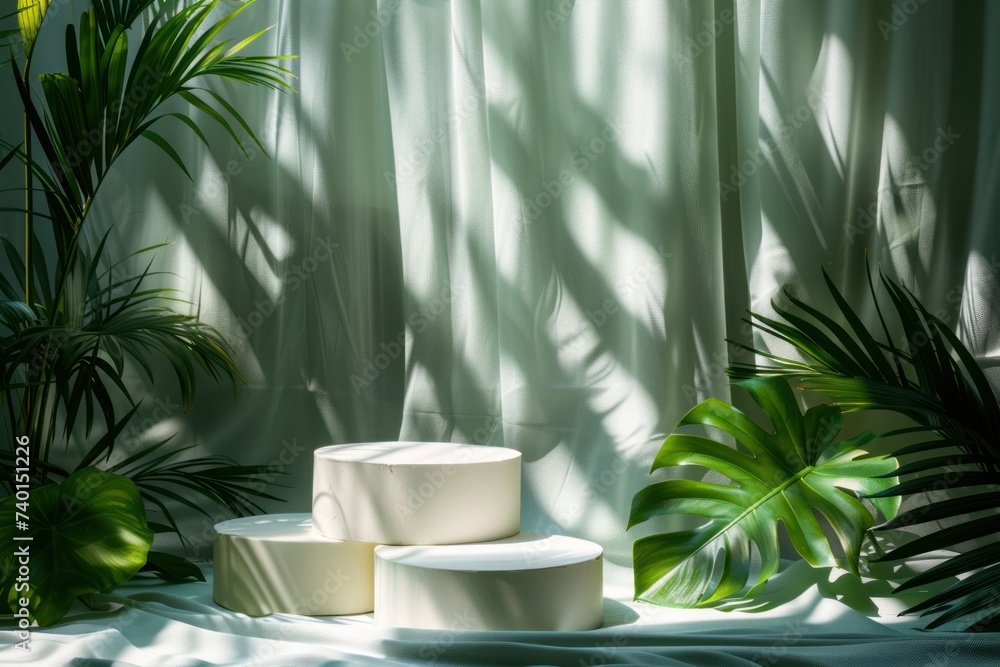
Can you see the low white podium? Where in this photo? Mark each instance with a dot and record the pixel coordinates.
(525, 582)
(277, 564)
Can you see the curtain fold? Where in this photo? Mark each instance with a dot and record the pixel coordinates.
(534, 224)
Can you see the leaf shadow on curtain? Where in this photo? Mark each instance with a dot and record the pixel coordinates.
(925, 227)
(303, 284)
(912, 89)
(560, 273)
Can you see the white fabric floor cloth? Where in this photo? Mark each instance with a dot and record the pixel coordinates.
(148, 622)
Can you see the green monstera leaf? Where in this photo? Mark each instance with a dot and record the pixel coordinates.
(88, 533)
(780, 475)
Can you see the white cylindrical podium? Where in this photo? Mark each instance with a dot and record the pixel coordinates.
(276, 563)
(527, 582)
(416, 492)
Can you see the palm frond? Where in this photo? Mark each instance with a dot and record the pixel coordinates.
(30, 14)
(104, 101)
(122, 319)
(164, 476)
(930, 377)
(72, 324)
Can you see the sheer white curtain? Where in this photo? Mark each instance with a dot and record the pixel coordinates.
(533, 224)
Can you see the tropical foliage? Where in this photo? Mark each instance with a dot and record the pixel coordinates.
(783, 473)
(928, 375)
(88, 533)
(71, 320)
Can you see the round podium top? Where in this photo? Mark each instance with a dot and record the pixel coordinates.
(273, 528)
(415, 453)
(524, 551)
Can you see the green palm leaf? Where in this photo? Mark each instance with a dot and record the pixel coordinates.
(103, 103)
(29, 20)
(85, 364)
(930, 377)
(783, 474)
(172, 568)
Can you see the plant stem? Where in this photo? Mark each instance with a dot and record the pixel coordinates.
(40, 427)
(29, 197)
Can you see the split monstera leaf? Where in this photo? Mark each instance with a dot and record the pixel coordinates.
(785, 474)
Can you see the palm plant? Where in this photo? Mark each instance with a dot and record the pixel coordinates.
(71, 324)
(930, 377)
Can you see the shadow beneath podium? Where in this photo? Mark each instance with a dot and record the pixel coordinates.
(617, 613)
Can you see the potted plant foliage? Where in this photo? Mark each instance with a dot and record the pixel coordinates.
(72, 321)
(926, 375)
